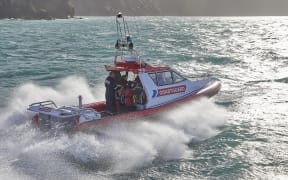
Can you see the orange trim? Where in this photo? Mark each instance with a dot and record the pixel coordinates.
(208, 92)
(135, 67)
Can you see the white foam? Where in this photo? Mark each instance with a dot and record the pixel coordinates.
(129, 145)
(118, 148)
(198, 118)
(65, 93)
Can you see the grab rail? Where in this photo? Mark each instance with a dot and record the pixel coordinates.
(44, 104)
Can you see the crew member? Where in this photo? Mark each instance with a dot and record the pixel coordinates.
(124, 81)
(110, 84)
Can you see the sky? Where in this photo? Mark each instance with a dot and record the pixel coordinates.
(242, 7)
(183, 7)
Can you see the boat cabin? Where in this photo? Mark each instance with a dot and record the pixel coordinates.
(147, 86)
(142, 89)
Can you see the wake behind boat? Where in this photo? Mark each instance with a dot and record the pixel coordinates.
(142, 90)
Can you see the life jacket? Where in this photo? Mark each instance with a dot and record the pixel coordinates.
(129, 98)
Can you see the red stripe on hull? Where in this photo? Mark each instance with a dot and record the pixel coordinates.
(206, 92)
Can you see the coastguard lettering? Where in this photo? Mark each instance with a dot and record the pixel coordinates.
(171, 90)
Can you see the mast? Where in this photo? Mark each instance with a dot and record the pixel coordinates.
(124, 45)
(124, 40)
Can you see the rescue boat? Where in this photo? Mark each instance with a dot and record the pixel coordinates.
(149, 89)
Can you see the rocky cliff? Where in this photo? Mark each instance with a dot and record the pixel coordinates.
(181, 7)
(132, 7)
(36, 9)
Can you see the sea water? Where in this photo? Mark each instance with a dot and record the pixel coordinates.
(241, 133)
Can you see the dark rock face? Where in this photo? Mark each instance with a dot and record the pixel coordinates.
(138, 7)
(112, 7)
(181, 7)
(36, 9)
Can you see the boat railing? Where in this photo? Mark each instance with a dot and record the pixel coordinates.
(127, 56)
(44, 104)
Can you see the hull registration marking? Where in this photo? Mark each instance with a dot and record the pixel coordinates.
(171, 90)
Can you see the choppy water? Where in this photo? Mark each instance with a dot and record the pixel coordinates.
(242, 133)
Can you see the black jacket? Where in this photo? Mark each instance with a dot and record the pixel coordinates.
(110, 85)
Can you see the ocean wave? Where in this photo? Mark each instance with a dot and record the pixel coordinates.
(118, 148)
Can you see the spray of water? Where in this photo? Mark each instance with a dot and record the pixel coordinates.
(120, 147)
(65, 93)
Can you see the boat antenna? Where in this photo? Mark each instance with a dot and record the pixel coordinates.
(80, 101)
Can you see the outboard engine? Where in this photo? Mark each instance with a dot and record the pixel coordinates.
(50, 117)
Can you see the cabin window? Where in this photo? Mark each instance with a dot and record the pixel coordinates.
(153, 77)
(164, 78)
(176, 77)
